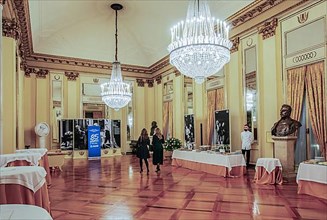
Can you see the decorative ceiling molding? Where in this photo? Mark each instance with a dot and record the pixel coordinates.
(269, 28)
(23, 16)
(252, 11)
(140, 82)
(236, 43)
(21, 11)
(72, 76)
(42, 73)
(158, 79)
(150, 82)
(10, 28)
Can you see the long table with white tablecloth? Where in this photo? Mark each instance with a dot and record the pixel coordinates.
(312, 180)
(218, 164)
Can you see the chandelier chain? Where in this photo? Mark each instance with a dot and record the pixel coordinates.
(116, 36)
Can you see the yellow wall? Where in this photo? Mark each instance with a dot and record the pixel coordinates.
(9, 95)
(33, 98)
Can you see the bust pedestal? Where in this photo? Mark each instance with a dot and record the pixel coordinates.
(284, 151)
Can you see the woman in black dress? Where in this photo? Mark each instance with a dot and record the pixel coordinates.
(142, 149)
(157, 142)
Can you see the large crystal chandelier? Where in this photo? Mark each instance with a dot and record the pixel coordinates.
(116, 93)
(199, 46)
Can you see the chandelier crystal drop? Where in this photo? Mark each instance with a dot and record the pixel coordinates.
(199, 45)
(116, 93)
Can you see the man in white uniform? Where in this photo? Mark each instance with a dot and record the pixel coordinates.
(247, 139)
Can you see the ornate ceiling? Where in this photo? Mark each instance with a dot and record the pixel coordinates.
(85, 29)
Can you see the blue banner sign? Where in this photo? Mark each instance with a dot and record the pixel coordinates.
(94, 141)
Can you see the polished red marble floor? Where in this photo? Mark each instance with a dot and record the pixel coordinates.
(113, 188)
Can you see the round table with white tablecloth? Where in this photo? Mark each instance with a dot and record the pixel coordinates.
(30, 159)
(24, 185)
(19, 212)
(268, 171)
(44, 161)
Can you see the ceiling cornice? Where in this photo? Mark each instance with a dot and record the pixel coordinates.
(35, 60)
(251, 11)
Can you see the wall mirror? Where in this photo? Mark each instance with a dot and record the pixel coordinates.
(130, 117)
(250, 89)
(188, 96)
(57, 110)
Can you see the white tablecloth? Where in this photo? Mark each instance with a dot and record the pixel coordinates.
(228, 161)
(33, 158)
(32, 177)
(269, 164)
(19, 212)
(312, 172)
(41, 151)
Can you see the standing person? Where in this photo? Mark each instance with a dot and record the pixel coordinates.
(157, 142)
(142, 149)
(247, 139)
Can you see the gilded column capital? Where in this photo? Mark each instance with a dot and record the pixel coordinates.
(28, 70)
(268, 29)
(158, 79)
(140, 82)
(42, 73)
(10, 28)
(71, 76)
(150, 82)
(236, 43)
(177, 73)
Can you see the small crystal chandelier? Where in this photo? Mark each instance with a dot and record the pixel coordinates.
(116, 93)
(199, 46)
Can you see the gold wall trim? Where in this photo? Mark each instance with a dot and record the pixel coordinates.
(268, 29)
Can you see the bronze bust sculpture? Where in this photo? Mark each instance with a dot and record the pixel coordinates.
(286, 125)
